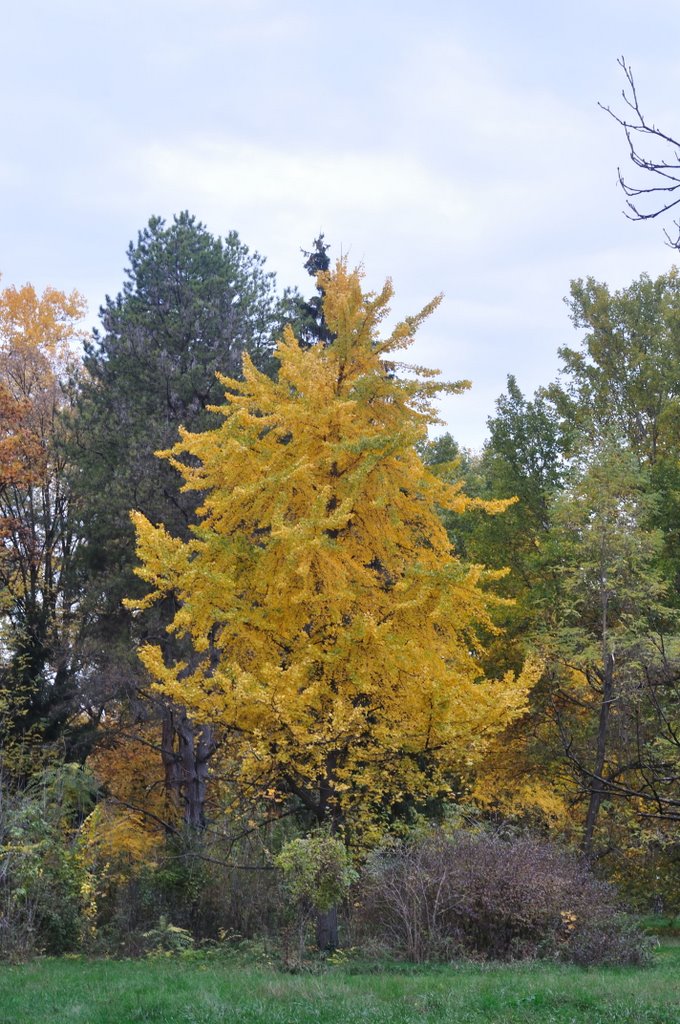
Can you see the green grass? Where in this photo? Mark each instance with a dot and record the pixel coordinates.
(666, 926)
(208, 992)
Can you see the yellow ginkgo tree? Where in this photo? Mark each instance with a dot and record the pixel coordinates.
(328, 628)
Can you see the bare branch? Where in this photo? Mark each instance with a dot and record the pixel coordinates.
(664, 173)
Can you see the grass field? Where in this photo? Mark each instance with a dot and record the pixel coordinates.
(207, 992)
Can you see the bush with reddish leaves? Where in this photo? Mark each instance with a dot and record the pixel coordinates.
(477, 894)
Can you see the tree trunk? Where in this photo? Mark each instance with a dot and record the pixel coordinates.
(169, 758)
(597, 786)
(196, 745)
(327, 929)
(186, 752)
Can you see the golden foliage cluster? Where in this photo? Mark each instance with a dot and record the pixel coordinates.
(330, 628)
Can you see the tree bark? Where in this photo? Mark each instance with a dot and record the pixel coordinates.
(196, 745)
(186, 753)
(597, 786)
(327, 929)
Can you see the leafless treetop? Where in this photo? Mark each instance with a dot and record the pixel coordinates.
(663, 192)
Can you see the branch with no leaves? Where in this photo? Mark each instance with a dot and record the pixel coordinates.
(665, 172)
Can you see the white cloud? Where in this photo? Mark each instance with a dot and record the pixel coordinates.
(458, 147)
(356, 184)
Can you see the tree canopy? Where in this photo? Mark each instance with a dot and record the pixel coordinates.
(37, 521)
(330, 629)
(348, 627)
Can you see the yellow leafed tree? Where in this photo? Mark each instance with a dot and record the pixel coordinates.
(329, 628)
(129, 826)
(38, 530)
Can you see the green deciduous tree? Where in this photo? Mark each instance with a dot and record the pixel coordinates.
(624, 377)
(607, 628)
(623, 385)
(522, 460)
(595, 561)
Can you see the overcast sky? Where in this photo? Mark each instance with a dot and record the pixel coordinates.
(454, 146)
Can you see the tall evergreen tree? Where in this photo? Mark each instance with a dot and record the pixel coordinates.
(310, 321)
(192, 304)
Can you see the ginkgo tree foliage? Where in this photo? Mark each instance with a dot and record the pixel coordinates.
(329, 628)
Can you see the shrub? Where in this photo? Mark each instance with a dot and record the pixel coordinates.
(316, 870)
(42, 881)
(442, 895)
(317, 876)
(617, 941)
(203, 898)
(168, 938)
